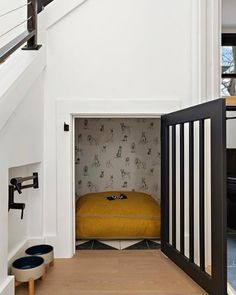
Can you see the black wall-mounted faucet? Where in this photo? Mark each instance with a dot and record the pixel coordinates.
(12, 204)
(16, 185)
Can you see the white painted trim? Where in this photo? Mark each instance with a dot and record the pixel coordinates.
(73, 188)
(206, 42)
(7, 286)
(214, 11)
(66, 111)
(198, 54)
(16, 251)
(123, 107)
(59, 9)
(17, 75)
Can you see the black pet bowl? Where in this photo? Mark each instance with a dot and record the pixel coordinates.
(44, 251)
(29, 267)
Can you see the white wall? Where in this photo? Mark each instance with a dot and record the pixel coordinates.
(118, 50)
(21, 143)
(121, 49)
(111, 50)
(115, 50)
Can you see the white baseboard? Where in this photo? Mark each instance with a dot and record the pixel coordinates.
(7, 286)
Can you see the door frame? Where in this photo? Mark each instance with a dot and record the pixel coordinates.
(66, 110)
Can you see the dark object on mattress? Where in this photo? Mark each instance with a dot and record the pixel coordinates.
(120, 197)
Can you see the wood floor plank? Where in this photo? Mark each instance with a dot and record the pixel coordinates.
(106, 272)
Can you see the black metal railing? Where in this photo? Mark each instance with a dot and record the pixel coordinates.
(29, 36)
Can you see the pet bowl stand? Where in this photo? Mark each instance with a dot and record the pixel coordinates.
(27, 270)
(44, 251)
(30, 284)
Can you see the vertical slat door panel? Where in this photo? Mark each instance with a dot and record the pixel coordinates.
(208, 196)
(170, 185)
(202, 193)
(193, 197)
(196, 193)
(173, 148)
(177, 189)
(186, 190)
(191, 192)
(182, 189)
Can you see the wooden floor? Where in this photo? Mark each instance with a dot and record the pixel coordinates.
(102, 272)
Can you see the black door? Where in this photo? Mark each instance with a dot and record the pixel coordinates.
(193, 200)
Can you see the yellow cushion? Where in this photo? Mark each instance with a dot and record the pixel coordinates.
(132, 218)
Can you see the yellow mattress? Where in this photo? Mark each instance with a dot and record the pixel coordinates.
(132, 218)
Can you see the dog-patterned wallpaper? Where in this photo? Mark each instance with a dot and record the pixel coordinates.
(117, 154)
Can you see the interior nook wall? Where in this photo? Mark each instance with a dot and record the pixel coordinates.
(117, 154)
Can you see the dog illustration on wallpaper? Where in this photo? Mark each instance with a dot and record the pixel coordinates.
(96, 163)
(101, 128)
(143, 139)
(110, 183)
(77, 159)
(133, 147)
(85, 170)
(139, 164)
(91, 187)
(80, 137)
(109, 164)
(85, 123)
(149, 152)
(144, 186)
(151, 172)
(151, 126)
(92, 140)
(102, 174)
(125, 138)
(110, 136)
(80, 184)
(119, 152)
(125, 184)
(127, 161)
(124, 174)
(125, 128)
(103, 149)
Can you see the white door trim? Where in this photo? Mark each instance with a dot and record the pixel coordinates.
(66, 111)
(206, 43)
